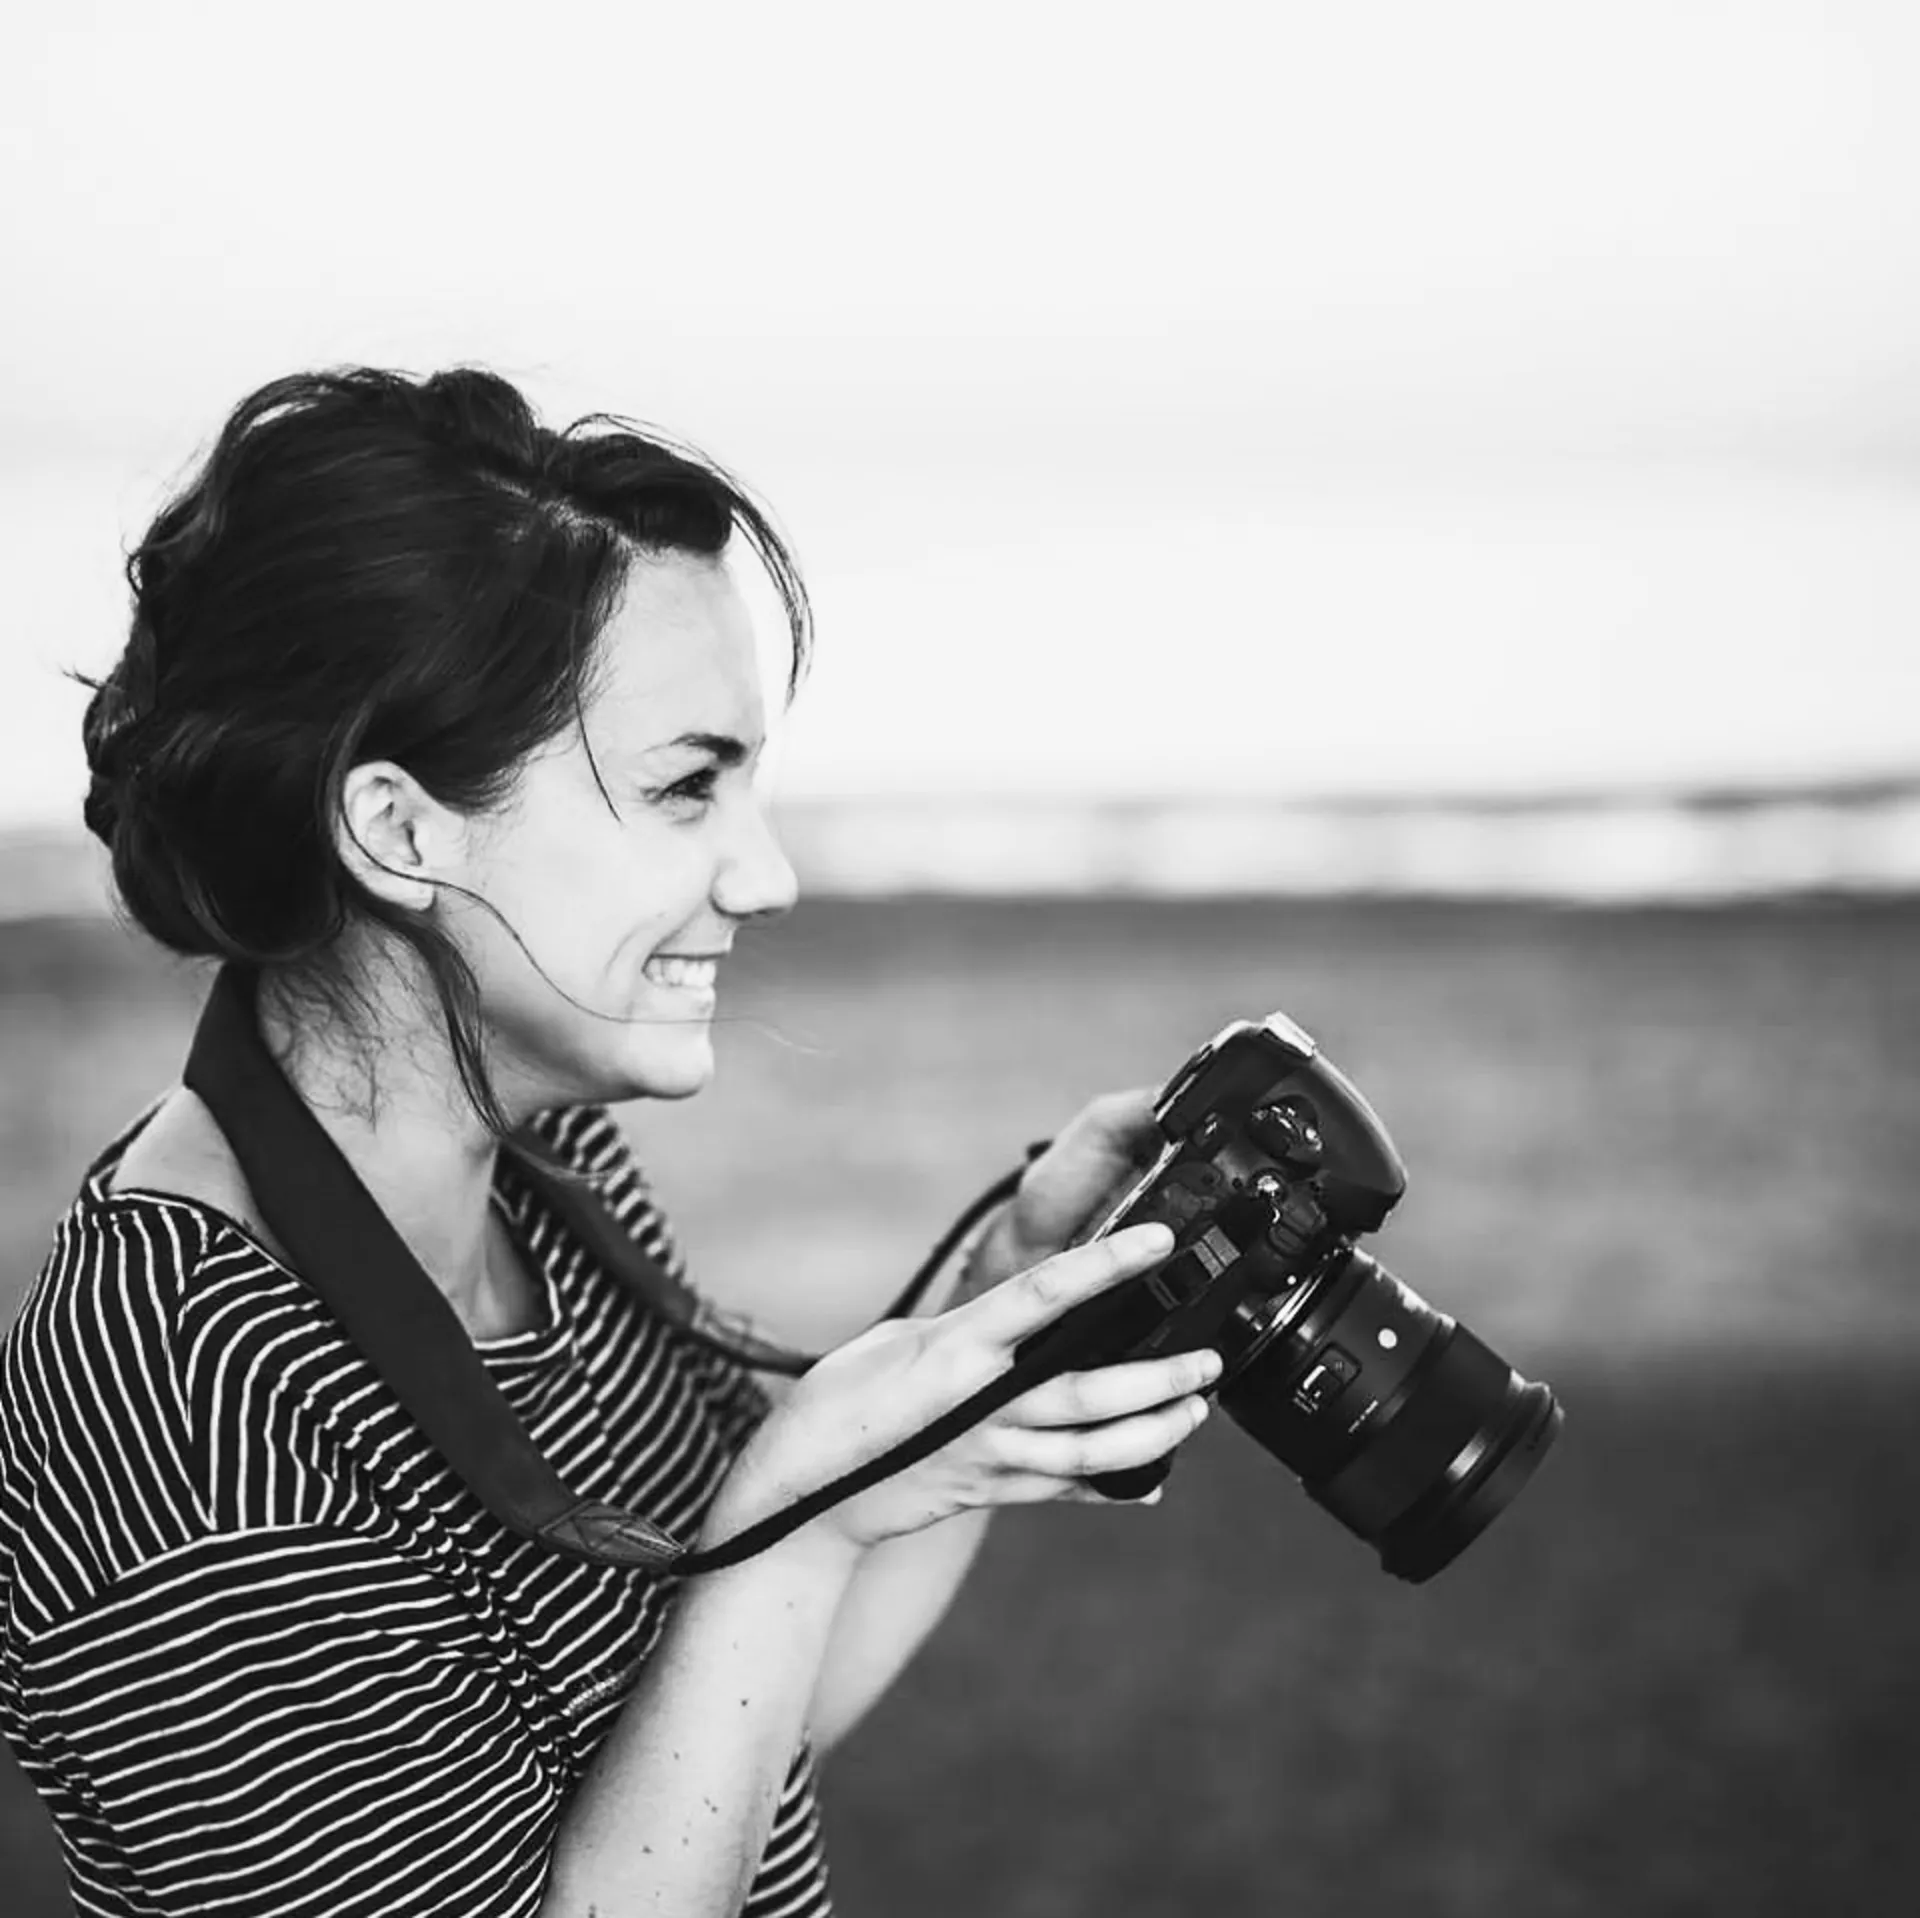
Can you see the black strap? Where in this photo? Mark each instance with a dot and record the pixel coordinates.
(346, 1248)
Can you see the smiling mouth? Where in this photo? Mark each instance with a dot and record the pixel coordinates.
(683, 974)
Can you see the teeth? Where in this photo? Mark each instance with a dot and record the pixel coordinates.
(683, 972)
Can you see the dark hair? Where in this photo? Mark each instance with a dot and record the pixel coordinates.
(371, 566)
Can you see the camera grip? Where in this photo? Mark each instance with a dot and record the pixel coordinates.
(1135, 1482)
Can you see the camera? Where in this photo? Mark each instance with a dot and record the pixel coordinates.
(1410, 1430)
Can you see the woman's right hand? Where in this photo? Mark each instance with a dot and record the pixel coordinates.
(897, 1377)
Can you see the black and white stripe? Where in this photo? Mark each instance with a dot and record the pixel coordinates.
(260, 1650)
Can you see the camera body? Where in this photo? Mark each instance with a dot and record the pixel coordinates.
(1395, 1418)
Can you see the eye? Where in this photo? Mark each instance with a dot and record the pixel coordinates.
(695, 790)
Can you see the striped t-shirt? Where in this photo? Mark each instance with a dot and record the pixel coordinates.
(260, 1650)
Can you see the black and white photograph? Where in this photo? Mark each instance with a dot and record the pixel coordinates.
(960, 963)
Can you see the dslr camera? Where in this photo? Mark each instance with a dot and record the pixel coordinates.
(1411, 1431)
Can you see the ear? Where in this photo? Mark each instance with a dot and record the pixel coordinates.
(394, 836)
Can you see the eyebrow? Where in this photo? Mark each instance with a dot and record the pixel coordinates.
(723, 746)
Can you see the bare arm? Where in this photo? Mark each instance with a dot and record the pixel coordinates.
(674, 1813)
(906, 1585)
(903, 1590)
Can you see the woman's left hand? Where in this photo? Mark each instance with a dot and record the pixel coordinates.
(1097, 1155)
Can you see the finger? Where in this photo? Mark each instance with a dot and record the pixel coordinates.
(1085, 1494)
(1113, 1391)
(1139, 1131)
(1117, 1128)
(1079, 1452)
(1122, 1113)
(1039, 1295)
(1035, 1488)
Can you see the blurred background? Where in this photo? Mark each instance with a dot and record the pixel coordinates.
(1406, 515)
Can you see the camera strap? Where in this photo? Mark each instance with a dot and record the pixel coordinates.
(345, 1247)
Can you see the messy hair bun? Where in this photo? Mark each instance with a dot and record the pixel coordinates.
(370, 566)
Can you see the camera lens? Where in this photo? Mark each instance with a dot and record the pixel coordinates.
(1477, 1485)
(1410, 1430)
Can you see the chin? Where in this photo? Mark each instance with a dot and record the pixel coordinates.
(674, 1070)
(582, 1063)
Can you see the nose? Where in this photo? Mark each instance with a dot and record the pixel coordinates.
(754, 879)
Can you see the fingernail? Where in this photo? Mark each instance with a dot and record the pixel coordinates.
(1200, 1410)
(1154, 1497)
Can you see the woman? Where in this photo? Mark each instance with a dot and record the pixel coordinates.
(439, 728)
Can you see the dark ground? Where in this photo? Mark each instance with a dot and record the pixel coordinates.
(1666, 1160)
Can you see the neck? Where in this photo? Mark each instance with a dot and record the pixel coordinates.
(401, 1118)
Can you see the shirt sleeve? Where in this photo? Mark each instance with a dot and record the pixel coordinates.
(286, 1721)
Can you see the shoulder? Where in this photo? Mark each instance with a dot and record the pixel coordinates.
(179, 1150)
(162, 1360)
(95, 1447)
(101, 1321)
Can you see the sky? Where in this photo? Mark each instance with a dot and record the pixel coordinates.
(1376, 398)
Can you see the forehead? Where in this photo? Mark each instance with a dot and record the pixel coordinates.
(676, 657)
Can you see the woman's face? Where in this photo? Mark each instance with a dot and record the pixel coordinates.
(629, 909)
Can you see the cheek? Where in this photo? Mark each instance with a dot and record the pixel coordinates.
(598, 904)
